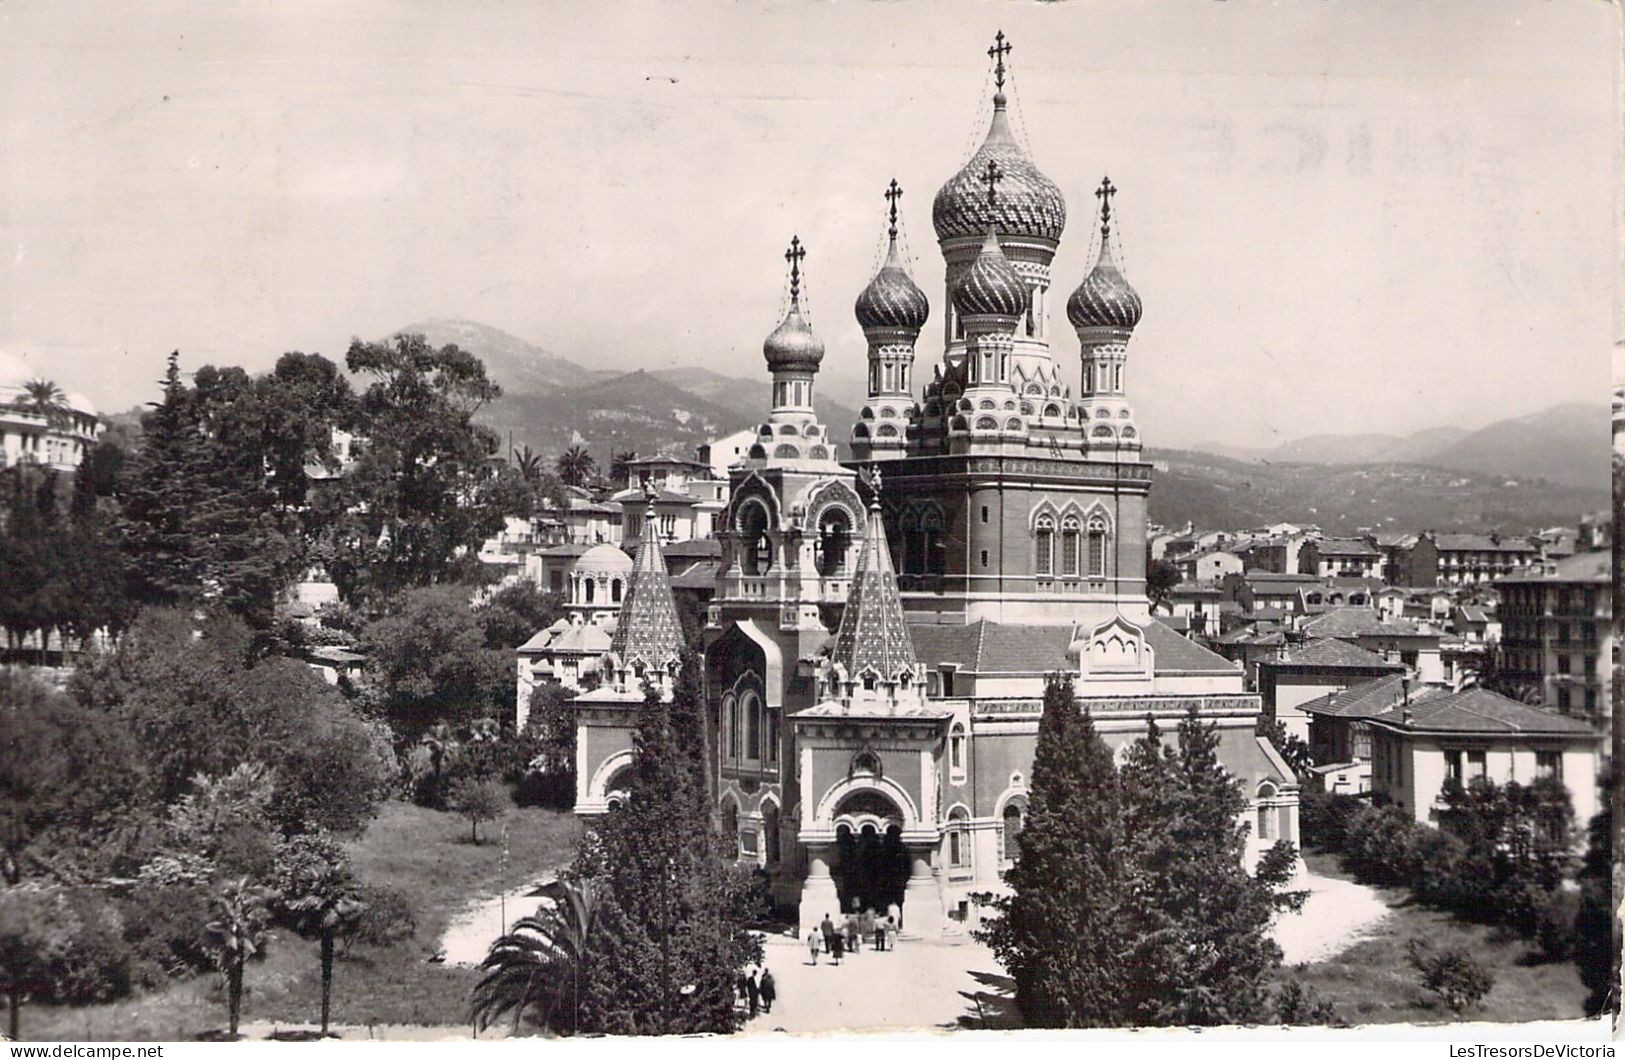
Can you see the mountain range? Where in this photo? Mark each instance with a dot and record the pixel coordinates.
(1515, 475)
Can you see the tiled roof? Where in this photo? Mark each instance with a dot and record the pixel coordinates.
(703, 575)
(563, 636)
(1581, 567)
(648, 630)
(704, 547)
(1328, 653)
(1358, 622)
(1369, 698)
(1346, 546)
(873, 635)
(1479, 711)
(992, 647)
(1480, 543)
(1264, 577)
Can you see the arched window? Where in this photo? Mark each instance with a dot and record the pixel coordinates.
(730, 738)
(756, 550)
(958, 840)
(931, 541)
(834, 537)
(589, 586)
(1097, 547)
(772, 726)
(615, 591)
(1044, 547)
(1069, 548)
(956, 752)
(770, 832)
(750, 705)
(1015, 817)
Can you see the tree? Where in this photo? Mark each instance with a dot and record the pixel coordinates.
(1160, 579)
(1059, 931)
(1494, 669)
(1518, 845)
(157, 495)
(514, 613)
(31, 934)
(239, 933)
(551, 724)
(1289, 745)
(423, 490)
(529, 464)
(46, 400)
(1596, 933)
(479, 801)
(1200, 924)
(538, 965)
(575, 466)
(428, 662)
(320, 897)
(673, 924)
(620, 467)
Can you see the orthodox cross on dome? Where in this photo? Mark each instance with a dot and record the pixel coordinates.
(1000, 49)
(893, 193)
(794, 256)
(1104, 193)
(991, 177)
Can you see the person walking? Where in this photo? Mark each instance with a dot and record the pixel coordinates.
(837, 944)
(753, 993)
(828, 928)
(880, 934)
(770, 990)
(812, 947)
(852, 933)
(891, 932)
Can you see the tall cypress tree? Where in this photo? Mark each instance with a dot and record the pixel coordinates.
(159, 495)
(1058, 931)
(672, 929)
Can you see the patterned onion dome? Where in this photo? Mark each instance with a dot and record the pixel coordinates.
(1104, 298)
(1029, 203)
(991, 286)
(793, 346)
(892, 299)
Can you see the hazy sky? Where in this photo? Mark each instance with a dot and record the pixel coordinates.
(1341, 216)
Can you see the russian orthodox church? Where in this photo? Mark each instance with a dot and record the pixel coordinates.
(883, 625)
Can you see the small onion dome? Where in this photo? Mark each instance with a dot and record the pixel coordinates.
(892, 299)
(1030, 205)
(991, 286)
(793, 346)
(1104, 299)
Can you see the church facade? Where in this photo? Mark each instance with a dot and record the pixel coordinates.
(885, 618)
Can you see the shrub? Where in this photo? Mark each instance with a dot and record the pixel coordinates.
(389, 918)
(1453, 976)
(1382, 845)
(1297, 1005)
(165, 926)
(1323, 819)
(1555, 918)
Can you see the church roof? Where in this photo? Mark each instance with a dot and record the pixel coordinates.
(993, 647)
(648, 630)
(873, 635)
(1029, 203)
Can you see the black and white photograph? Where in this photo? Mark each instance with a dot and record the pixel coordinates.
(530, 520)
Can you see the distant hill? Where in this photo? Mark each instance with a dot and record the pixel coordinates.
(1564, 443)
(732, 392)
(514, 363)
(1213, 491)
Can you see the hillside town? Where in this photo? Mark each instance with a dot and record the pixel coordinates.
(327, 710)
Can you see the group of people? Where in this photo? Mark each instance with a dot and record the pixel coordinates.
(848, 936)
(758, 994)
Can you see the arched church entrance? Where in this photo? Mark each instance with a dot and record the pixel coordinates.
(871, 865)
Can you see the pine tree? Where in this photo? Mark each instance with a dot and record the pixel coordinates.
(159, 497)
(672, 928)
(1059, 931)
(1201, 950)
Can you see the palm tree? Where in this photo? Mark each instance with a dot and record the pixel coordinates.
(537, 966)
(529, 463)
(620, 471)
(321, 895)
(575, 465)
(238, 932)
(46, 400)
(1493, 670)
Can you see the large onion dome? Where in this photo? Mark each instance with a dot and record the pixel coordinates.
(892, 299)
(991, 286)
(792, 346)
(1104, 298)
(1029, 205)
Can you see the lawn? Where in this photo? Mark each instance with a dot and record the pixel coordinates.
(1373, 982)
(424, 854)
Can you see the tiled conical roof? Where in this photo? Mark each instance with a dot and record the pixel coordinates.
(873, 635)
(1105, 298)
(991, 286)
(647, 631)
(1029, 203)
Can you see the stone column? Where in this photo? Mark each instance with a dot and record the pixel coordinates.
(922, 895)
(818, 895)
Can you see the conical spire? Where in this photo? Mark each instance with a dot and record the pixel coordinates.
(648, 631)
(873, 638)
